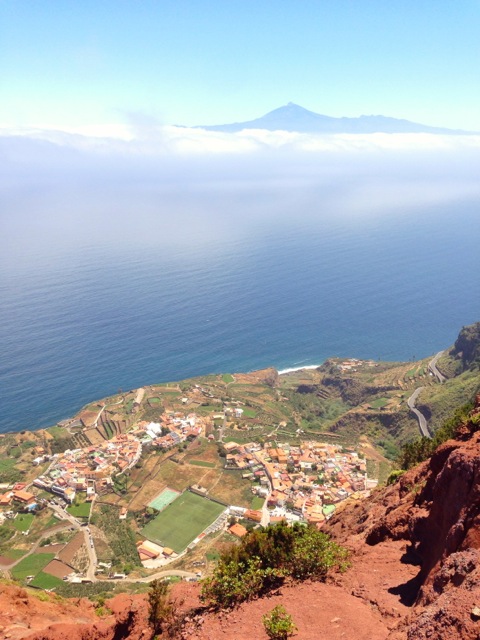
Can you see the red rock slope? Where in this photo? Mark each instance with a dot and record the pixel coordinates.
(433, 515)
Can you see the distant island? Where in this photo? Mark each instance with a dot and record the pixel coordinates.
(295, 118)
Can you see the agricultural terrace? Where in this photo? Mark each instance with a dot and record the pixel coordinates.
(31, 565)
(182, 521)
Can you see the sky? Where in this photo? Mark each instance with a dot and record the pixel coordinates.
(90, 65)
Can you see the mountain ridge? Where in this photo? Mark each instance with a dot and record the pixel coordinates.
(294, 118)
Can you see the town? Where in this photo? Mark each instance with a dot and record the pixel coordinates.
(302, 482)
(157, 478)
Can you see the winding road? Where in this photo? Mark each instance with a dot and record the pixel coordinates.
(422, 421)
(432, 367)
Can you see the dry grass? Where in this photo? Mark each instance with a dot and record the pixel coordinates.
(232, 489)
(147, 482)
(202, 450)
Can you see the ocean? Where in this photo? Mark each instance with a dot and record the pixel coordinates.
(114, 286)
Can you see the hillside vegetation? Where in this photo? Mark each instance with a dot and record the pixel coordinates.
(265, 558)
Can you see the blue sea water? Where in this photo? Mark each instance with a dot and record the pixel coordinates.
(118, 292)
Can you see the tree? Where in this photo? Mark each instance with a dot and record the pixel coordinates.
(160, 609)
(278, 624)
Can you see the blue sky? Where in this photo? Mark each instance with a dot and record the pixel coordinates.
(204, 62)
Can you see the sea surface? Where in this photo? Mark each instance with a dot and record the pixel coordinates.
(102, 292)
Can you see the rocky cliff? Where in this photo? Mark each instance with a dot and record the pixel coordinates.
(467, 346)
(432, 514)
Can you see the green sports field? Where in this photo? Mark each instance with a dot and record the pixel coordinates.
(164, 499)
(182, 521)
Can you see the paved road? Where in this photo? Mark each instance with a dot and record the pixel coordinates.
(432, 366)
(92, 556)
(265, 512)
(422, 421)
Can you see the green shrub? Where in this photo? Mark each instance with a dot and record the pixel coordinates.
(278, 624)
(394, 476)
(264, 558)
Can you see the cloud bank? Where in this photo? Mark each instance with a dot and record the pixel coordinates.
(144, 136)
(193, 185)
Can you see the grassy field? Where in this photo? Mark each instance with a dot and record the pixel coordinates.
(231, 488)
(210, 408)
(57, 432)
(179, 477)
(182, 521)
(8, 469)
(238, 437)
(202, 463)
(23, 521)
(379, 403)
(45, 581)
(202, 449)
(257, 502)
(14, 554)
(80, 510)
(142, 483)
(31, 565)
(379, 470)
(228, 378)
(52, 522)
(7, 463)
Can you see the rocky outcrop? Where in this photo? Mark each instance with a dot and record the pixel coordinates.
(467, 346)
(35, 615)
(434, 510)
(24, 612)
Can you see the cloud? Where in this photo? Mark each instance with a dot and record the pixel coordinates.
(145, 135)
(192, 185)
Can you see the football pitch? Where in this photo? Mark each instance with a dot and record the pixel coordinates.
(182, 521)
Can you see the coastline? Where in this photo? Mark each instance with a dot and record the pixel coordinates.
(281, 372)
(39, 428)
